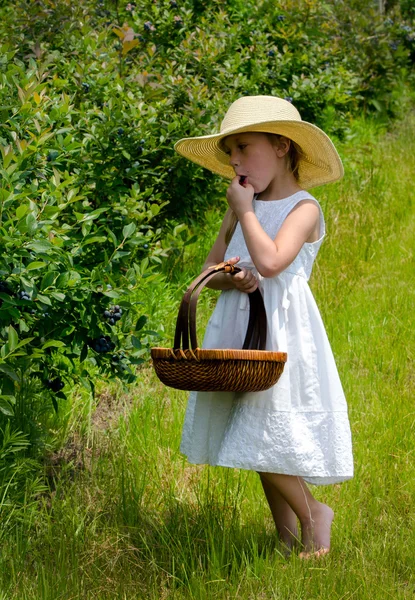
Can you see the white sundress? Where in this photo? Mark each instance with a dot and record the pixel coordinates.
(299, 426)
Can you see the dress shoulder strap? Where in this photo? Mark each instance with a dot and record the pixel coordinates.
(298, 197)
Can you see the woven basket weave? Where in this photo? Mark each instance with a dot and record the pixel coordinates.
(251, 369)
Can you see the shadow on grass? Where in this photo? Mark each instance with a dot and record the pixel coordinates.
(187, 544)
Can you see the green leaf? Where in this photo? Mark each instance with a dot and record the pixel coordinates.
(85, 382)
(13, 338)
(67, 330)
(48, 279)
(141, 322)
(112, 294)
(136, 342)
(84, 352)
(44, 299)
(113, 237)
(9, 372)
(129, 230)
(53, 344)
(89, 216)
(62, 280)
(21, 211)
(24, 342)
(6, 405)
(31, 223)
(95, 240)
(137, 361)
(58, 296)
(191, 240)
(35, 265)
(178, 229)
(40, 246)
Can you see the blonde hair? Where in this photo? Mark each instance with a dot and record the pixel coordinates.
(293, 162)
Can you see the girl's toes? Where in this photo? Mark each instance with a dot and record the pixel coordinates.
(317, 554)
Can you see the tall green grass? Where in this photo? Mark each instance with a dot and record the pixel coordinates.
(125, 516)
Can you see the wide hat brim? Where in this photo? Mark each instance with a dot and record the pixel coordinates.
(319, 161)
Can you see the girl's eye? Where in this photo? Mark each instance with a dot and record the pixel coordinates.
(242, 146)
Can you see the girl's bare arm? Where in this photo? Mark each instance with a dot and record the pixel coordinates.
(244, 281)
(270, 256)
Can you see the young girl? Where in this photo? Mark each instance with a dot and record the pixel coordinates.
(297, 431)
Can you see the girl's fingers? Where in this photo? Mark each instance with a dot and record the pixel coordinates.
(245, 281)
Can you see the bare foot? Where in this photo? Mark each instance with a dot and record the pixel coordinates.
(289, 541)
(288, 538)
(316, 532)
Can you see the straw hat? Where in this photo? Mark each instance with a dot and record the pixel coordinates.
(319, 161)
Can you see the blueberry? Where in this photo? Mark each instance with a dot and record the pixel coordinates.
(145, 246)
(116, 307)
(116, 317)
(280, 18)
(107, 314)
(173, 3)
(111, 321)
(271, 53)
(120, 131)
(142, 142)
(139, 150)
(148, 26)
(55, 384)
(86, 86)
(288, 99)
(46, 315)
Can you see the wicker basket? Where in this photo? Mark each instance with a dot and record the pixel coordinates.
(251, 369)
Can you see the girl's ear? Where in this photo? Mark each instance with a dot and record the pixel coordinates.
(281, 145)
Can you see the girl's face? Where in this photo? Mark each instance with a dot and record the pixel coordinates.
(257, 157)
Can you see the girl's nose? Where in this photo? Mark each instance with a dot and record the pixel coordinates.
(234, 159)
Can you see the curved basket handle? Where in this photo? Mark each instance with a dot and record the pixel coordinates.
(257, 326)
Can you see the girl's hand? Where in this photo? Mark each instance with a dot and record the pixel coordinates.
(245, 280)
(240, 196)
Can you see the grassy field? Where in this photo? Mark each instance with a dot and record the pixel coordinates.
(124, 516)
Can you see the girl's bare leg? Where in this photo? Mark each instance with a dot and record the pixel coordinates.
(284, 517)
(315, 518)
